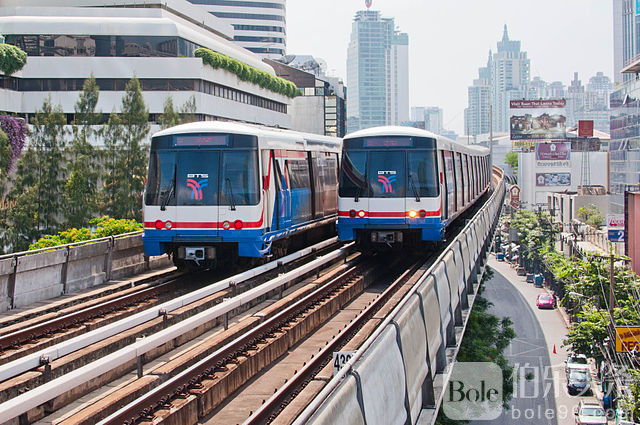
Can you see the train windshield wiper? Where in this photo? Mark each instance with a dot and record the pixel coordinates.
(168, 195)
(358, 192)
(415, 189)
(230, 189)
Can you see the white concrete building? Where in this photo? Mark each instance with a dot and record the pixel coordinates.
(259, 26)
(68, 40)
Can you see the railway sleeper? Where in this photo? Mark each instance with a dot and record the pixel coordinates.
(180, 363)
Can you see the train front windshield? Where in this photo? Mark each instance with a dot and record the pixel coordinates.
(388, 167)
(196, 170)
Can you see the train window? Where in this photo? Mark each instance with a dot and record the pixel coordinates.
(386, 174)
(298, 173)
(353, 174)
(422, 173)
(465, 179)
(239, 178)
(161, 182)
(197, 177)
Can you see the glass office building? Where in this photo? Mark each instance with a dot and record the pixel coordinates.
(624, 149)
(377, 73)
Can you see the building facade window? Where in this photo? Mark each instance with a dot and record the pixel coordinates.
(260, 16)
(261, 4)
(267, 28)
(103, 45)
(147, 84)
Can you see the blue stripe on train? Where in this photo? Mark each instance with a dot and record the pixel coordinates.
(432, 228)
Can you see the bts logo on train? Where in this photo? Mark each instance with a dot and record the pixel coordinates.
(197, 185)
(387, 180)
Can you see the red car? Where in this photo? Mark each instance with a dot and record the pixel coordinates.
(546, 301)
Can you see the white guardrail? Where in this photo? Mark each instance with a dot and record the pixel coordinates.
(399, 374)
(37, 396)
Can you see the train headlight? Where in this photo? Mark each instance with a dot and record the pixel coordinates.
(352, 213)
(238, 225)
(423, 213)
(159, 225)
(168, 225)
(413, 214)
(361, 214)
(226, 225)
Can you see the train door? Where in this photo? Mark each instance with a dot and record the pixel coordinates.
(197, 176)
(268, 195)
(444, 195)
(282, 217)
(450, 183)
(386, 175)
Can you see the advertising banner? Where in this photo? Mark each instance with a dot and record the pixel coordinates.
(585, 128)
(615, 221)
(554, 151)
(627, 339)
(553, 179)
(515, 196)
(538, 119)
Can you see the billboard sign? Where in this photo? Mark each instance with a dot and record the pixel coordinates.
(553, 179)
(553, 151)
(615, 235)
(585, 128)
(538, 119)
(615, 220)
(514, 191)
(627, 339)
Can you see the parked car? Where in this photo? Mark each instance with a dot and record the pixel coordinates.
(546, 301)
(521, 271)
(529, 277)
(576, 361)
(590, 412)
(579, 381)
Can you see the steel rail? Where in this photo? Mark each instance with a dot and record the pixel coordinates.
(32, 361)
(205, 368)
(269, 410)
(37, 396)
(80, 316)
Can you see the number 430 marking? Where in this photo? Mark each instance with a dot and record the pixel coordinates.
(340, 358)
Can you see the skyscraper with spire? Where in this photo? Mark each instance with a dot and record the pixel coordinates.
(510, 75)
(505, 77)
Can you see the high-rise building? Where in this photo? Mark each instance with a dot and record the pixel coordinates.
(625, 46)
(505, 77)
(377, 72)
(477, 114)
(509, 79)
(590, 102)
(259, 26)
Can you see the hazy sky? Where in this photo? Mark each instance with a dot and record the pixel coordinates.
(450, 39)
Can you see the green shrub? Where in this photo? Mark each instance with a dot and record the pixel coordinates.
(105, 226)
(12, 59)
(247, 73)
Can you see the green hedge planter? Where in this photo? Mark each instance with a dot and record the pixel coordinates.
(248, 73)
(12, 59)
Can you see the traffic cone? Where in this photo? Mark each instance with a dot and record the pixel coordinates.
(554, 349)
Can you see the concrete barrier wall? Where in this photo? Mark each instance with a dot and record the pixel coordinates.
(399, 374)
(28, 277)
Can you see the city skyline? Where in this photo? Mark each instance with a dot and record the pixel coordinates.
(555, 54)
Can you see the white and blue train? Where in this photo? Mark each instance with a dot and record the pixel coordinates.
(400, 186)
(220, 191)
